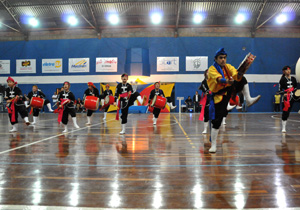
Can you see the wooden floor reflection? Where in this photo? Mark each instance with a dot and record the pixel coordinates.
(166, 166)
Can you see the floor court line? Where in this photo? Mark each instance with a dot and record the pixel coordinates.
(27, 207)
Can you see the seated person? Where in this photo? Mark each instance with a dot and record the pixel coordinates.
(189, 103)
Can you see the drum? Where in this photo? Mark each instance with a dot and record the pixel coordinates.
(297, 93)
(91, 102)
(297, 70)
(37, 102)
(246, 63)
(159, 102)
(109, 100)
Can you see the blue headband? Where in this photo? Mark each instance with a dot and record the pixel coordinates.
(220, 51)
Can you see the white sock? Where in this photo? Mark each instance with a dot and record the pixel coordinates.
(214, 136)
(249, 100)
(49, 107)
(88, 120)
(171, 105)
(75, 122)
(34, 120)
(14, 128)
(154, 121)
(139, 98)
(224, 121)
(284, 126)
(66, 128)
(205, 127)
(123, 129)
(105, 113)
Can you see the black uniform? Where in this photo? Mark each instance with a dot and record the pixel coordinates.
(125, 103)
(196, 102)
(205, 90)
(93, 92)
(160, 92)
(68, 108)
(37, 94)
(284, 84)
(19, 106)
(107, 93)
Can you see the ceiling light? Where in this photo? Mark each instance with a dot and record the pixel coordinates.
(72, 20)
(156, 18)
(113, 19)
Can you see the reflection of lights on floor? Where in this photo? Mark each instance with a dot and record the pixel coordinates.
(115, 199)
(157, 200)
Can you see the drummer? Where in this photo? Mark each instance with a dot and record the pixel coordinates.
(67, 105)
(127, 99)
(91, 91)
(13, 96)
(221, 81)
(39, 94)
(158, 92)
(287, 87)
(107, 92)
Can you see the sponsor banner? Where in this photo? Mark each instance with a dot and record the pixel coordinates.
(4, 67)
(107, 64)
(79, 65)
(167, 63)
(26, 66)
(196, 63)
(52, 65)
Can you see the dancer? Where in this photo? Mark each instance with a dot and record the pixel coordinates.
(38, 93)
(15, 104)
(287, 87)
(158, 92)
(67, 106)
(107, 92)
(127, 99)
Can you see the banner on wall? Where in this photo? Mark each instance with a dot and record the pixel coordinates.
(79, 65)
(25, 66)
(52, 65)
(4, 67)
(196, 63)
(167, 63)
(107, 64)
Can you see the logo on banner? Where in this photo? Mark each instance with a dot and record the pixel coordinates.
(112, 61)
(80, 64)
(168, 62)
(55, 64)
(197, 63)
(25, 63)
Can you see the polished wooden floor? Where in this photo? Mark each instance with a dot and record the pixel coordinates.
(166, 166)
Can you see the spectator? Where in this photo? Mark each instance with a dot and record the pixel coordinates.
(189, 103)
(54, 98)
(196, 100)
(276, 102)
